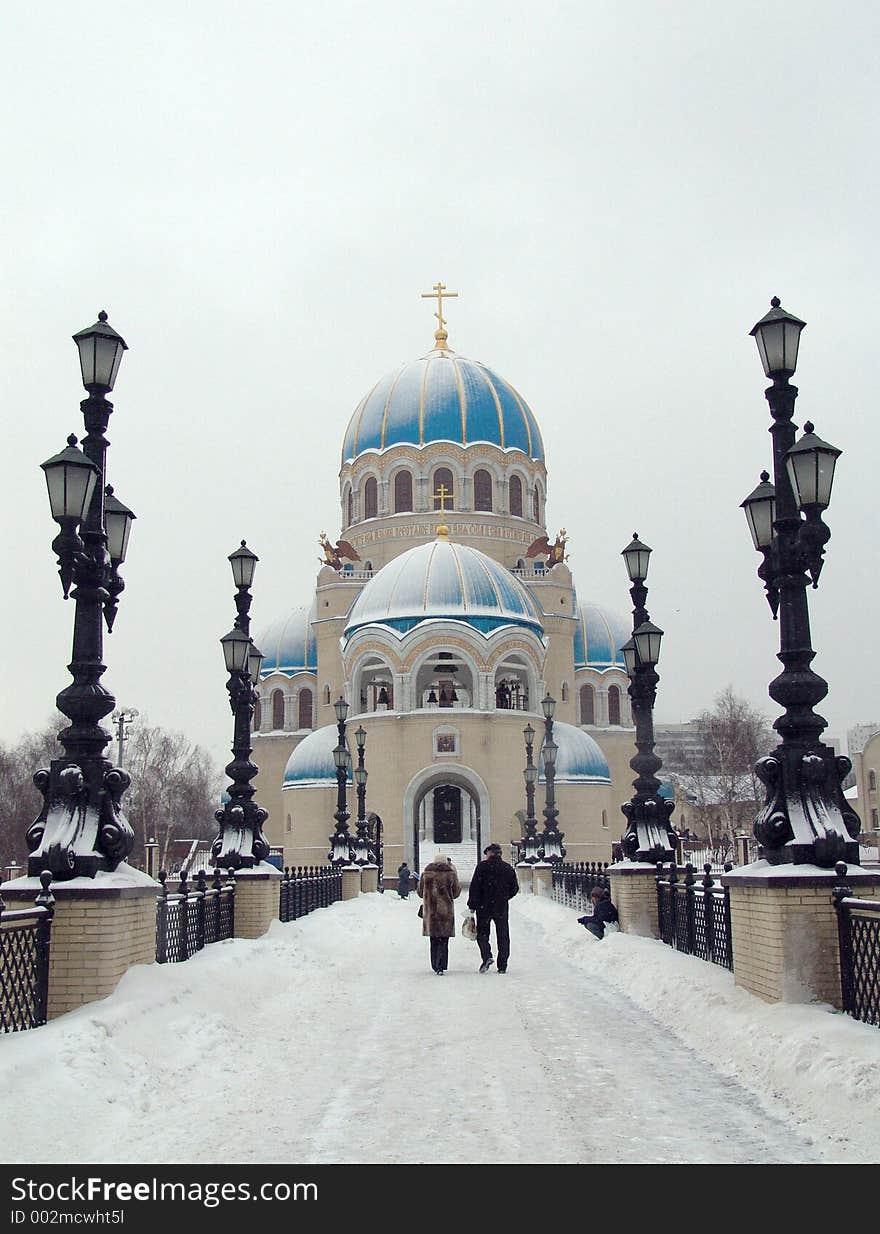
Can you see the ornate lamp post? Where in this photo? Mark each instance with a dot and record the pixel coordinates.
(240, 843)
(530, 774)
(649, 834)
(361, 855)
(81, 828)
(340, 841)
(805, 819)
(552, 848)
(376, 841)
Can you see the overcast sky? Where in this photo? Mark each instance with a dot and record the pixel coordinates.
(259, 193)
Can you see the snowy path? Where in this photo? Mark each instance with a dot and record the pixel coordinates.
(331, 1040)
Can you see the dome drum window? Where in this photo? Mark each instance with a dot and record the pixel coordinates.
(482, 491)
(403, 492)
(371, 497)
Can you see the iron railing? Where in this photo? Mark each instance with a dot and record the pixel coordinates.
(25, 938)
(305, 888)
(573, 883)
(695, 917)
(193, 916)
(858, 929)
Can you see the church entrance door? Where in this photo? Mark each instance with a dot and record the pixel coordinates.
(447, 821)
(447, 814)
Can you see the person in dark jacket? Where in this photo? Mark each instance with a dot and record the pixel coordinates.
(604, 912)
(493, 886)
(404, 880)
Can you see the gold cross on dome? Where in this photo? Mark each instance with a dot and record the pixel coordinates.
(437, 294)
(441, 495)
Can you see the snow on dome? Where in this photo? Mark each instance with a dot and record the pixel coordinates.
(442, 397)
(288, 643)
(311, 764)
(443, 580)
(599, 636)
(578, 757)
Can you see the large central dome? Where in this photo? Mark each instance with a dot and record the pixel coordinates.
(444, 581)
(442, 397)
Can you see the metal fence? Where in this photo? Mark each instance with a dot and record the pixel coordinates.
(694, 917)
(858, 929)
(573, 883)
(25, 937)
(305, 888)
(193, 916)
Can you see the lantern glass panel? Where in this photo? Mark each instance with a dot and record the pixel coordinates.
(548, 706)
(549, 753)
(70, 479)
(529, 734)
(236, 646)
(341, 709)
(628, 650)
(647, 640)
(244, 564)
(531, 774)
(811, 473)
(255, 663)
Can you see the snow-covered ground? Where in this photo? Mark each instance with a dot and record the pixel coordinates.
(331, 1040)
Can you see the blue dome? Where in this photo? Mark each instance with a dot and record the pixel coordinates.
(444, 581)
(442, 397)
(599, 636)
(289, 644)
(311, 764)
(578, 758)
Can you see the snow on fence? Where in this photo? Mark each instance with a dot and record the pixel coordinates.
(573, 883)
(25, 937)
(695, 917)
(193, 916)
(305, 888)
(858, 929)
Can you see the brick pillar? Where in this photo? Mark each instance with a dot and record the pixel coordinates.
(369, 878)
(634, 895)
(542, 878)
(351, 882)
(102, 927)
(524, 877)
(784, 928)
(257, 894)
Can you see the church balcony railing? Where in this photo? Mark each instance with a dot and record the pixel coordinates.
(538, 572)
(354, 576)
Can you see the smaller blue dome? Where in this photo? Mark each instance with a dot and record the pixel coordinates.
(311, 764)
(599, 636)
(288, 644)
(578, 757)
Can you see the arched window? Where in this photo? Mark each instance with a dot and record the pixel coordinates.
(613, 705)
(258, 716)
(604, 818)
(565, 691)
(588, 705)
(350, 507)
(327, 693)
(515, 491)
(537, 504)
(304, 719)
(482, 490)
(371, 498)
(403, 492)
(872, 780)
(443, 479)
(277, 709)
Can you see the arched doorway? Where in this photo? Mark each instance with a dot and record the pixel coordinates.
(447, 811)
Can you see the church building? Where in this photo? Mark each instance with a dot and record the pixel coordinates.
(443, 615)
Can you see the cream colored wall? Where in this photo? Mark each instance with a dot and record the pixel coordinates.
(867, 760)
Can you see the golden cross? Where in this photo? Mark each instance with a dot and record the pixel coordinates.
(441, 495)
(437, 294)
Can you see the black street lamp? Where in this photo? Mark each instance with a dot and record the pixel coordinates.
(805, 819)
(361, 854)
(376, 841)
(240, 843)
(81, 828)
(649, 834)
(551, 846)
(340, 841)
(530, 775)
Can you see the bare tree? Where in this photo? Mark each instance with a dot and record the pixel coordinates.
(721, 778)
(175, 788)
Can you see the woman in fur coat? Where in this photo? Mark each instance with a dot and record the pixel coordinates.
(438, 887)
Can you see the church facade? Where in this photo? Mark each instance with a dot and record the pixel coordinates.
(442, 632)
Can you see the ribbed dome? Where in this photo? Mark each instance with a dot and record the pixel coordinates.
(599, 636)
(288, 644)
(444, 580)
(442, 397)
(311, 764)
(578, 758)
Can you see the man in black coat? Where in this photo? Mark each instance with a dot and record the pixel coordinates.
(493, 886)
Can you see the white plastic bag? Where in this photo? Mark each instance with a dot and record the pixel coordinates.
(469, 928)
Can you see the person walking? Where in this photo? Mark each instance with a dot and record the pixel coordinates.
(493, 886)
(438, 887)
(404, 878)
